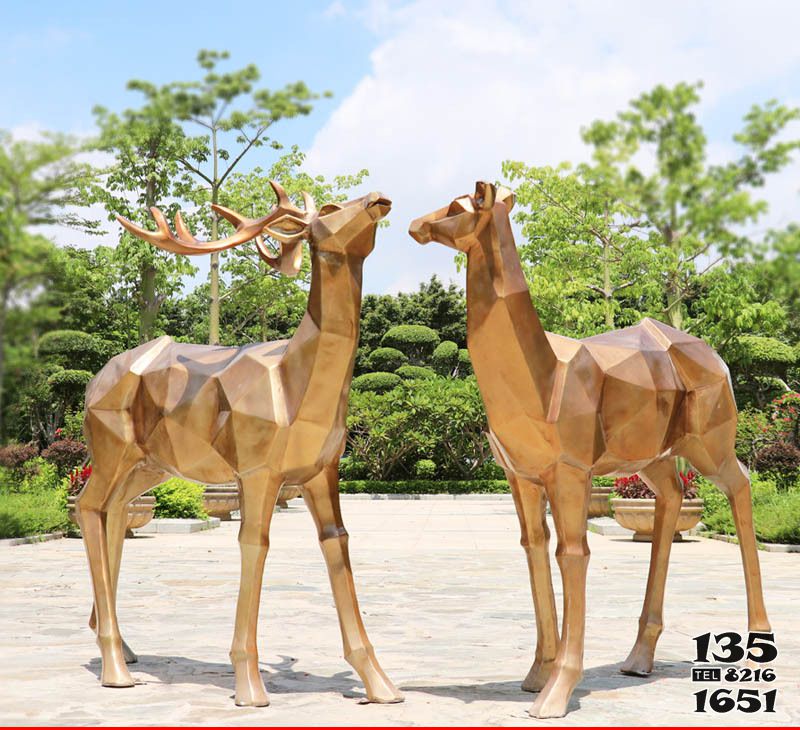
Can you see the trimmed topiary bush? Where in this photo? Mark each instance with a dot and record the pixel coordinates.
(179, 498)
(386, 359)
(445, 358)
(415, 340)
(425, 486)
(65, 454)
(72, 349)
(376, 382)
(425, 469)
(415, 372)
(464, 364)
(764, 353)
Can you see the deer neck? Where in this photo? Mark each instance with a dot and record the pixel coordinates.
(504, 333)
(319, 359)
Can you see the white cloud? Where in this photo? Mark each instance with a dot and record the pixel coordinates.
(456, 88)
(335, 10)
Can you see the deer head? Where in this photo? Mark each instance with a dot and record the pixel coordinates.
(458, 224)
(346, 229)
(288, 260)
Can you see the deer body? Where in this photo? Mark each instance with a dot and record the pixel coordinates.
(562, 410)
(263, 415)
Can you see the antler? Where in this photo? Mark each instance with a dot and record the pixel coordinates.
(288, 261)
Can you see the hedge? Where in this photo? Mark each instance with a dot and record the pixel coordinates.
(425, 486)
(33, 513)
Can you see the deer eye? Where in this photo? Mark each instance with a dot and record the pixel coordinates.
(329, 208)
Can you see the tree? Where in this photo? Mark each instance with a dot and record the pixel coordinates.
(40, 183)
(146, 144)
(212, 103)
(694, 210)
(586, 256)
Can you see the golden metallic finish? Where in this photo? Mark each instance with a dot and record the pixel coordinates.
(561, 411)
(264, 415)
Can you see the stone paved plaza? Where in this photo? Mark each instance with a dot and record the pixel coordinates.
(444, 592)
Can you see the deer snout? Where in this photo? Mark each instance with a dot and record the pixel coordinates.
(378, 205)
(420, 230)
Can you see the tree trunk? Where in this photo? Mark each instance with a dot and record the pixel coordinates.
(608, 292)
(213, 307)
(3, 310)
(148, 304)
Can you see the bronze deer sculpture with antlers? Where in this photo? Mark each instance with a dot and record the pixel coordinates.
(263, 415)
(562, 410)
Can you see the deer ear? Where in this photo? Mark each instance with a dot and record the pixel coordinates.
(505, 196)
(287, 228)
(485, 194)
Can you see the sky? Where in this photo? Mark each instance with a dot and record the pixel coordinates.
(429, 95)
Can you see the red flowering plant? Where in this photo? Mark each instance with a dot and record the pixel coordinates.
(785, 415)
(633, 487)
(78, 478)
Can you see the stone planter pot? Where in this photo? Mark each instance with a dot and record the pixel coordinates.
(140, 512)
(220, 501)
(288, 492)
(599, 503)
(639, 515)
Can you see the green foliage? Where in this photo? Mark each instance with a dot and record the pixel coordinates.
(776, 515)
(350, 469)
(464, 364)
(179, 498)
(415, 340)
(32, 513)
(753, 432)
(419, 486)
(376, 382)
(766, 354)
(600, 481)
(73, 425)
(445, 358)
(425, 469)
(386, 359)
(490, 470)
(69, 385)
(415, 372)
(40, 476)
(72, 349)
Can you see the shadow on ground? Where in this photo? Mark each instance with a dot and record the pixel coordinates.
(279, 677)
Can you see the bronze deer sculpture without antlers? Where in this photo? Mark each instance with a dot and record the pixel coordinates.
(263, 415)
(562, 410)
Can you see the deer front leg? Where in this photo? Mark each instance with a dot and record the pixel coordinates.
(258, 492)
(568, 490)
(662, 478)
(322, 497)
(529, 499)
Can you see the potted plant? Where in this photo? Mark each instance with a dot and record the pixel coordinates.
(219, 500)
(635, 506)
(599, 502)
(140, 510)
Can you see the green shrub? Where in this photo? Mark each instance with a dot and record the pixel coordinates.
(490, 470)
(386, 359)
(33, 513)
(73, 349)
(415, 340)
(73, 425)
(41, 476)
(179, 498)
(780, 460)
(464, 364)
(425, 469)
(776, 515)
(376, 382)
(415, 372)
(350, 468)
(67, 384)
(753, 432)
(424, 486)
(445, 358)
(603, 481)
(764, 353)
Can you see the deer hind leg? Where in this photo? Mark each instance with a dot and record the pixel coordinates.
(322, 497)
(662, 478)
(568, 491)
(530, 501)
(733, 480)
(139, 482)
(258, 492)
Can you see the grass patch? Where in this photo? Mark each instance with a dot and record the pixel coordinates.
(33, 513)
